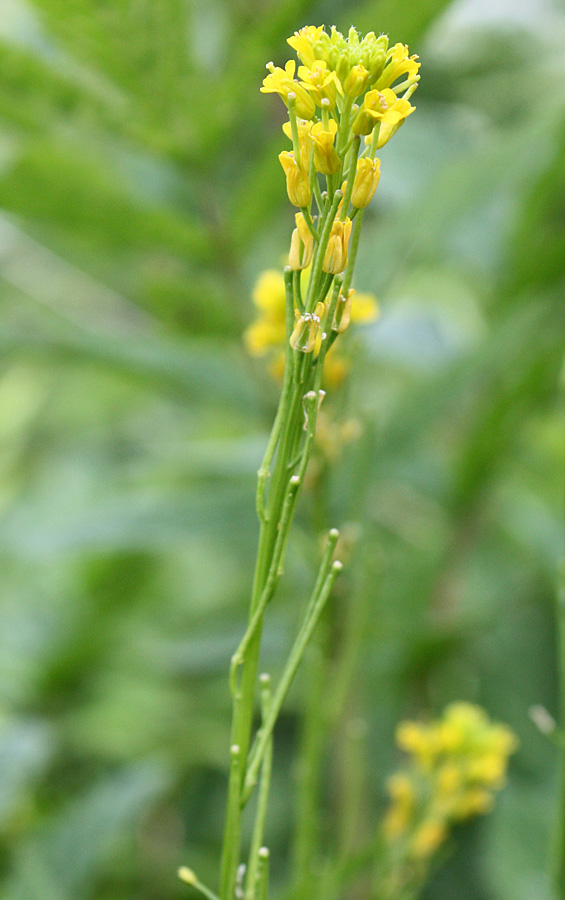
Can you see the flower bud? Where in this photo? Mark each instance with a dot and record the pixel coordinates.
(335, 259)
(297, 181)
(366, 181)
(326, 159)
(301, 245)
(356, 81)
(304, 128)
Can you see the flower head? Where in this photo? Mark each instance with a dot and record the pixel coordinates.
(320, 82)
(281, 82)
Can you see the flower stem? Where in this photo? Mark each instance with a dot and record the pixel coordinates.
(558, 859)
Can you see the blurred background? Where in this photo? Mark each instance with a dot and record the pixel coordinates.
(140, 196)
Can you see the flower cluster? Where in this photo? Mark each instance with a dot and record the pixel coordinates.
(343, 88)
(457, 765)
(266, 336)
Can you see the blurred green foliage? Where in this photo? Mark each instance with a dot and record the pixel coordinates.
(141, 194)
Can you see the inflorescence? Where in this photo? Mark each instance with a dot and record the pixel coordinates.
(346, 99)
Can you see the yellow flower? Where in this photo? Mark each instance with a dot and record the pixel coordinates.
(402, 109)
(427, 838)
(301, 245)
(416, 739)
(326, 159)
(297, 180)
(365, 308)
(320, 82)
(475, 802)
(304, 128)
(366, 180)
(269, 294)
(276, 366)
(356, 81)
(380, 106)
(335, 259)
(269, 329)
(336, 368)
(457, 764)
(281, 82)
(449, 779)
(303, 42)
(306, 329)
(488, 769)
(398, 63)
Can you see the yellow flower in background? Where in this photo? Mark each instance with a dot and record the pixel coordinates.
(269, 294)
(268, 331)
(365, 308)
(456, 765)
(367, 178)
(326, 159)
(427, 838)
(281, 82)
(297, 180)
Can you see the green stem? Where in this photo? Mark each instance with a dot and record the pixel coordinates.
(313, 613)
(262, 800)
(325, 231)
(306, 833)
(262, 874)
(233, 826)
(272, 580)
(190, 878)
(289, 408)
(353, 251)
(350, 177)
(558, 860)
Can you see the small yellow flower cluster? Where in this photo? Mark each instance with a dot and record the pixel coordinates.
(457, 765)
(266, 336)
(346, 86)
